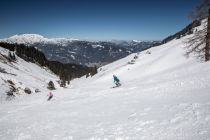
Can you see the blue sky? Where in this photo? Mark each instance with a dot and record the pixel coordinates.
(95, 19)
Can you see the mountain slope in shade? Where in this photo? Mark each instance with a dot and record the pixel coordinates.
(81, 52)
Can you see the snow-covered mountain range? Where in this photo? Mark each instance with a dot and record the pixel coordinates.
(30, 39)
(78, 51)
(163, 95)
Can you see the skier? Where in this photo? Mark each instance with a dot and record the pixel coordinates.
(50, 96)
(116, 80)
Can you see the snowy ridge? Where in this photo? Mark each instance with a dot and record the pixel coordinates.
(23, 74)
(97, 46)
(137, 41)
(31, 39)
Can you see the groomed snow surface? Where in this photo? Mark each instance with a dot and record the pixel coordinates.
(163, 96)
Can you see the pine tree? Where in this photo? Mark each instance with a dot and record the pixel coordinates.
(200, 41)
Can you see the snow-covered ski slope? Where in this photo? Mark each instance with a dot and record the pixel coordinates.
(164, 96)
(23, 75)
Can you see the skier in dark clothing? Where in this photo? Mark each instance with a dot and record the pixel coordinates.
(50, 96)
(116, 80)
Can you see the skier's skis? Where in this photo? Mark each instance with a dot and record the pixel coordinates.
(116, 86)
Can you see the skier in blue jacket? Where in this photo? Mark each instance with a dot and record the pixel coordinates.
(116, 80)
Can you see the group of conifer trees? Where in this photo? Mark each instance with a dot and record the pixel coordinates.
(66, 72)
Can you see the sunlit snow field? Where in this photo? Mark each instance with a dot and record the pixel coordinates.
(164, 96)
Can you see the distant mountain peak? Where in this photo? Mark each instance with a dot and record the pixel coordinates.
(25, 39)
(137, 41)
(35, 38)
